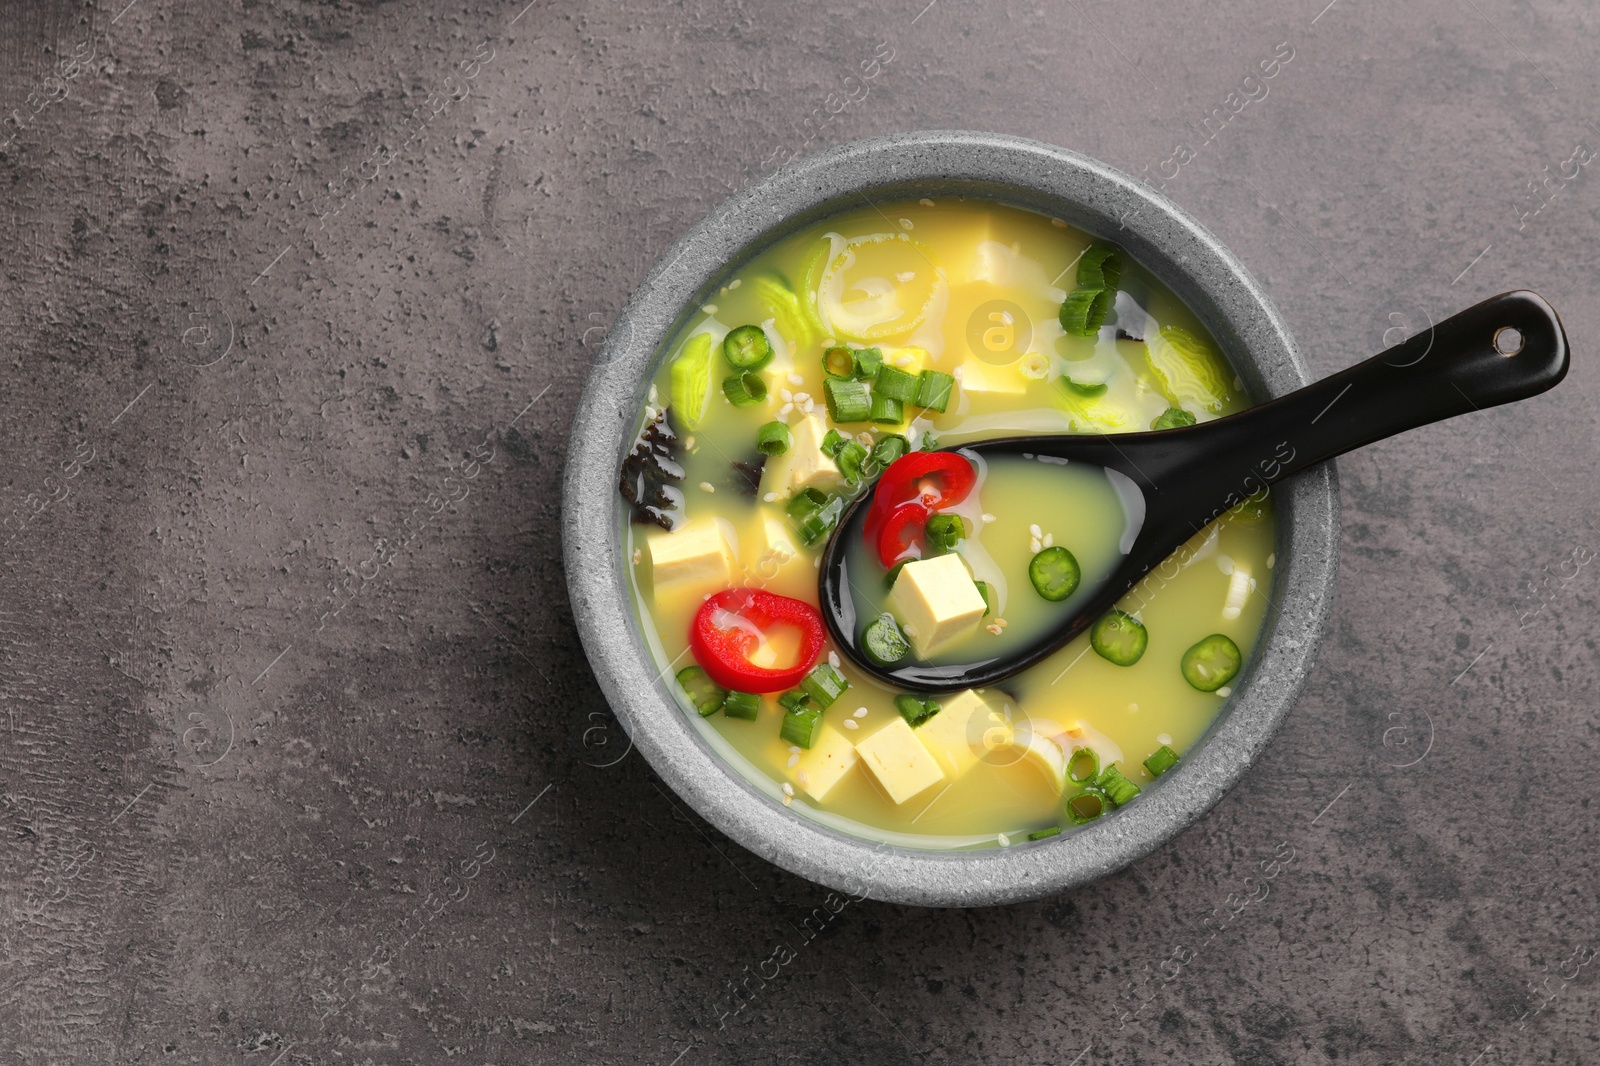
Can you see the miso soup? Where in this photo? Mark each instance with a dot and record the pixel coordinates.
(874, 343)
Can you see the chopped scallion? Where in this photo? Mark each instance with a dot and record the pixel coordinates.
(816, 525)
(1116, 787)
(773, 438)
(896, 384)
(930, 443)
(794, 700)
(744, 389)
(1100, 267)
(805, 502)
(848, 401)
(1083, 766)
(824, 685)
(1173, 418)
(882, 641)
(890, 448)
(1161, 761)
(915, 710)
(743, 705)
(886, 410)
(1084, 311)
(868, 360)
(1086, 806)
(945, 531)
(704, 693)
(894, 572)
(1041, 834)
(987, 592)
(933, 389)
(839, 362)
(801, 727)
(849, 458)
(747, 348)
(832, 441)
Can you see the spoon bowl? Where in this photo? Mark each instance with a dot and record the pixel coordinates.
(1507, 348)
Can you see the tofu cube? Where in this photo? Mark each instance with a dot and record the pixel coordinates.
(987, 379)
(969, 725)
(804, 465)
(936, 602)
(695, 557)
(829, 759)
(899, 761)
(774, 547)
(911, 359)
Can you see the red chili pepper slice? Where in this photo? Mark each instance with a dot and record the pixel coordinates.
(729, 626)
(935, 480)
(900, 535)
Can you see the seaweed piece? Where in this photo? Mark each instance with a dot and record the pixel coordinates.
(745, 477)
(649, 473)
(1124, 335)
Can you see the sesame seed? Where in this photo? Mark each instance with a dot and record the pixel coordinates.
(788, 798)
(1035, 531)
(902, 360)
(794, 760)
(706, 486)
(991, 627)
(796, 379)
(1049, 540)
(1271, 559)
(786, 395)
(987, 518)
(794, 749)
(850, 723)
(833, 659)
(803, 777)
(808, 406)
(709, 309)
(860, 712)
(1035, 546)
(1225, 691)
(783, 412)
(864, 439)
(905, 223)
(735, 283)
(1005, 841)
(801, 397)
(771, 497)
(1058, 223)
(638, 556)
(1133, 708)
(1001, 622)
(1163, 738)
(957, 373)
(925, 202)
(688, 442)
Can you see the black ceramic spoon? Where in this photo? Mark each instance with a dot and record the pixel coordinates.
(1504, 349)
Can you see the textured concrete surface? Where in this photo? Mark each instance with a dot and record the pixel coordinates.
(300, 760)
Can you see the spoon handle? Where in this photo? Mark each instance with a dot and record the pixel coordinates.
(1507, 348)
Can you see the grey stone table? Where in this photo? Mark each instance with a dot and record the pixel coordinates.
(300, 761)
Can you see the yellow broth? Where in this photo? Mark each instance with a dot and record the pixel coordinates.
(967, 287)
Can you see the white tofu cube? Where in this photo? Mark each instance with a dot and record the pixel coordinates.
(987, 379)
(911, 359)
(829, 759)
(969, 725)
(773, 547)
(695, 557)
(899, 761)
(936, 602)
(804, 465)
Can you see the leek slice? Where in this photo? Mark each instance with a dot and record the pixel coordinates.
(877, 286)
(691, 382)
(1188, 371)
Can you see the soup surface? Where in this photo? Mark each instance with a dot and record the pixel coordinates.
(840, 353)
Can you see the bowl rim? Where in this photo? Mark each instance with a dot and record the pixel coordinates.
(1027, 173)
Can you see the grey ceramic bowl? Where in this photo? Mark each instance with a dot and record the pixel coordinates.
(1028, 174)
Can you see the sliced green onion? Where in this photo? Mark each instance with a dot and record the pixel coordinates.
(915, 710)
(773, 438)
(807, 501)
(988, 597)
(848, 401)
(839, 362)
(745, 389)
(933, 389)
(743, 705)
(1119, 638)
(882, 641)
(1100, 267)
(1161, 761)
(894, 572)
(704, 693)
(1084, 311)
(747, 348)
(1172, 418)
(1085, 390)
(794, 700)
(1041, 834)
(784, 304)
(832, 441)
(887, 410)
(890, 448)
(1117, 788)
(849, 459)
(945, 531)
(815, 525)
(801, 727)
(1211, 663)
(930, 443)
(1083, 766)
(868, 360)
(896, 384)
(1054, 573)
(691, 382)
(1086, 806)
(824, 685)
